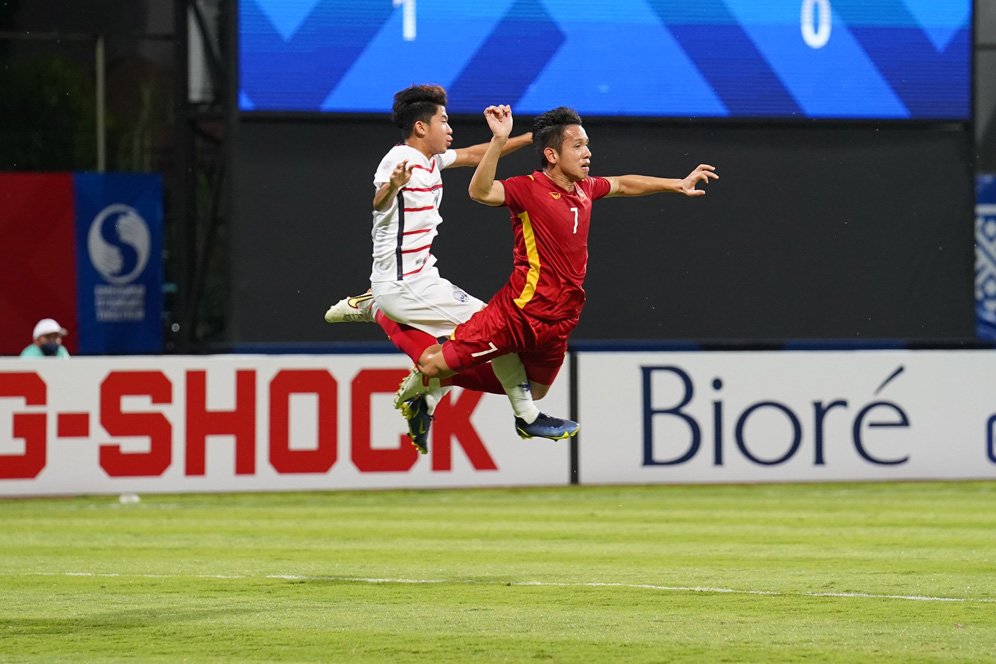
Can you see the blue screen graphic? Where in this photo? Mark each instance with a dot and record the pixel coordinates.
(779, 59)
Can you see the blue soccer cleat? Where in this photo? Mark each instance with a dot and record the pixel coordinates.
(416, 412)
(545, 426)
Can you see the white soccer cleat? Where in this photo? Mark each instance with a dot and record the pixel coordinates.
(414, 385)
(353, 309)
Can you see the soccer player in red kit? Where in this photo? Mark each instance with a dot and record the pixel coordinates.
(550, 211)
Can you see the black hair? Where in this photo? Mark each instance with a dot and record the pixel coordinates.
(548, 130)
(419, 102)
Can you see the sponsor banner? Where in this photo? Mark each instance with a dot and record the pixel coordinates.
(250, 423)
(985, 256)
(37, 257)
(119, 245)
(786, 416)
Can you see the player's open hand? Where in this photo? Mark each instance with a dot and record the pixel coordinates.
(401, 174)
(499, 120)
(703, 173)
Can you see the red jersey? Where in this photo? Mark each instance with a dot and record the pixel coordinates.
(550, 257)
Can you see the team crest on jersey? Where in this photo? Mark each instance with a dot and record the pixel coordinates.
(555, 195)
(460, 296)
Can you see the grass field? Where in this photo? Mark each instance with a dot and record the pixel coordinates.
(775, 573)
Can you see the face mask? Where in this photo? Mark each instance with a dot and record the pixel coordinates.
(50, 349)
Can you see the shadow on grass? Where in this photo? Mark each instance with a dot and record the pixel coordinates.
(112, 622)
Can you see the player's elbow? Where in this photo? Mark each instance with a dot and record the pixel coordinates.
(476, 194)
(485, 196)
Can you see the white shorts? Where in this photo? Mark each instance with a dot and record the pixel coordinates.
(427, 302)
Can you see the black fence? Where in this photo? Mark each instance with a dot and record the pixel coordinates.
(853, 233)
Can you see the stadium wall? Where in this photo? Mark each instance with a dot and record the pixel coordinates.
(845, 232)
(148, 424)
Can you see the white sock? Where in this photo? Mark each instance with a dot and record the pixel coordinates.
(434, 396)
(511, 373)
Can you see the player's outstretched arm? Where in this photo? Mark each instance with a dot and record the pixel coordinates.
(472, 155)
(644, 185)
(483, 186)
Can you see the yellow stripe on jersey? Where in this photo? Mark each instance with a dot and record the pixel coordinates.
(534, 263)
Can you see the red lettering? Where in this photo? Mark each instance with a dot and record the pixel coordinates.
(452, 420)
(153, 426)
(365, 457)
(31, 427)
(240, 422)
(310, 381)
(73, 425)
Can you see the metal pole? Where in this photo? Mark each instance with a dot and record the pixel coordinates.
(101, 92)
(183, 185)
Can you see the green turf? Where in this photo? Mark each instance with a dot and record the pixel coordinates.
(773, 573)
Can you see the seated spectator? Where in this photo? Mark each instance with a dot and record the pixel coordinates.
(47, 340)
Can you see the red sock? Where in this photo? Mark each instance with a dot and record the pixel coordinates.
(410, 341)
(480, 378)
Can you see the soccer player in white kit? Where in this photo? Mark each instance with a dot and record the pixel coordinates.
(408, 297)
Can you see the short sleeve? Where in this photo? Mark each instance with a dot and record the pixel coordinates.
(386, 167)
(599, 187)
(446, 159)
(514, 193)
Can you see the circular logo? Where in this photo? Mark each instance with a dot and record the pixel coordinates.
(118, 243)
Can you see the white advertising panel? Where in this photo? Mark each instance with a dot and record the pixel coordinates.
(250, 423)
(786, 416)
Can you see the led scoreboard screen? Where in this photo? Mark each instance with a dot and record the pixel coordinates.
(825, 59)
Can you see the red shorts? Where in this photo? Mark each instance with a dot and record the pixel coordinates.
(501, 328)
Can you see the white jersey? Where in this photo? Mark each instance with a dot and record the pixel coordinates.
(403, 233)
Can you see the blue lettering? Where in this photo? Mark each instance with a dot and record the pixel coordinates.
(859, 445)
(796, 433)
(649, 412)
(819, 412)
(717, 426)
(989, 439)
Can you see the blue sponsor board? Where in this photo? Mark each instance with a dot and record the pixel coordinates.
(985, 257)
(119, 249)
(827, 59)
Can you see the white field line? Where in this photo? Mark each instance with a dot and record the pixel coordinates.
(540, 584)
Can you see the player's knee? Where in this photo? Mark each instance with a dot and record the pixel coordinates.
(428, 370)
(431, 362)
(538, 390)
(426, 367)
